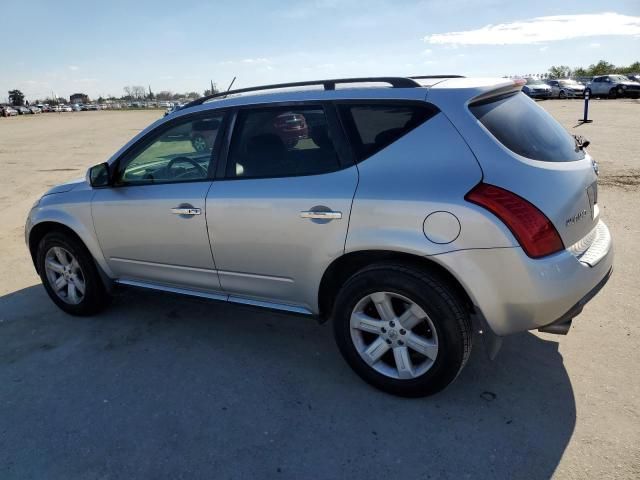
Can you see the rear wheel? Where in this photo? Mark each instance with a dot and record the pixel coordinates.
(402, 330)
(69, 275)
(613, 93)
(199, 143)
(562, 94)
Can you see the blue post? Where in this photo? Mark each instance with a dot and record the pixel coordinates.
(585, 119)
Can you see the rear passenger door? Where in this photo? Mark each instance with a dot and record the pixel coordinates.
(279, 209)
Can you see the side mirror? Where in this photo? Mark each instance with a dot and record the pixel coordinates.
(98, 175)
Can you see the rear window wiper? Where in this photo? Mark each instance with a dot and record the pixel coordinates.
(581, 142)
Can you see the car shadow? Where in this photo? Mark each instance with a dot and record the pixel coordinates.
(160, 386)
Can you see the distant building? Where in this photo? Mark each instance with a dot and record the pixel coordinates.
(79, 98)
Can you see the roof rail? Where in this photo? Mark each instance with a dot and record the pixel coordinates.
(420, 77)
(395, 82)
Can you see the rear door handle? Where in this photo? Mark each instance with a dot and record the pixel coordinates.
(320, 215)
(186, 211)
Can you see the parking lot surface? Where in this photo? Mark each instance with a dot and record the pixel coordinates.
(160, 386)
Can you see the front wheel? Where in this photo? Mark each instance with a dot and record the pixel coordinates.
(69, 275)
(402, 329)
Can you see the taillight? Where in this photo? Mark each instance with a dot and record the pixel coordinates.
(533, 230)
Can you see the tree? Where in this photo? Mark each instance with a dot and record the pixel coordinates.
(580, 72)
(16, 97)
(560, 71)
(601, 68)
(138, 92)
(193, 95)
(128, 93)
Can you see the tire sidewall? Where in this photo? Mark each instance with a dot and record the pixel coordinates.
(451, 349)
(94, 297)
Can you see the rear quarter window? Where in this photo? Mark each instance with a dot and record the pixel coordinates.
(526, 129)
(372, 126)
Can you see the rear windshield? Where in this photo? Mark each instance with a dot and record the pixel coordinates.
(526, 129)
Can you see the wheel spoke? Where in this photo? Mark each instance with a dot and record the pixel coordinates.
(412, 317)
(51, 264)
(61, 256)
(72, 293)
(403, 362)
(382, 301)
(79, 284)
(362, 321)
(425, 346)
(374, 351)
(59, 283)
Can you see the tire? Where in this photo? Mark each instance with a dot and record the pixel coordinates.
(613, 93)
(562, 95)
(199, 143)
(59, 247)
(442, 326)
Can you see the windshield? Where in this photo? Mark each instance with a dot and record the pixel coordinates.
(568, 83)
(533, 81)
(526, 129)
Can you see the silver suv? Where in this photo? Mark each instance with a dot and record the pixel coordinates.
(415, 213)
(613, 86)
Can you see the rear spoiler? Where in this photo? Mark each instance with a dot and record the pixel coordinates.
(500, 91)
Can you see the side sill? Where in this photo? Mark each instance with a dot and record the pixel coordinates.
(222, 297)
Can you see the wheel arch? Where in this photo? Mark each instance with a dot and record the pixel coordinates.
(38, 232)
(346, 265)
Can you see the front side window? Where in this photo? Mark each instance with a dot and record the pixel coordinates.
(180, 154)
(281, 142)
(374, 126)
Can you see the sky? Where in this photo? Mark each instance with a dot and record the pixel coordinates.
(97, 48)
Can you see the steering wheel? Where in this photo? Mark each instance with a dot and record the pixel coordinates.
(190, 161)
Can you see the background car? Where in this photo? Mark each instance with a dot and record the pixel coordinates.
(34, 110)
(8, 111)
(535, 88)
(566, 88)
(76, 108)
(22, 110)
(613, 86)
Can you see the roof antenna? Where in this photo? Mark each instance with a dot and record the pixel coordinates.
(234, 79)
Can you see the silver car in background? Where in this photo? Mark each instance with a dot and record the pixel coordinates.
(613, 86)
(414, 213)
(535, 88)
(566, 88)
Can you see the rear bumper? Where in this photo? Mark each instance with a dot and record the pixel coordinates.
(561, 325)
(516, 293)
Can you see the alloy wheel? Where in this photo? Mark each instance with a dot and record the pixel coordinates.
(65, 276)
(394, 335)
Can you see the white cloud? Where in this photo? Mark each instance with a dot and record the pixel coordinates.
(427, 52)
(543, 29)
(73, 67)
(594, 45)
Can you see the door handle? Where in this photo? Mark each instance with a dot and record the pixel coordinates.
(320, 215)
(186, 211)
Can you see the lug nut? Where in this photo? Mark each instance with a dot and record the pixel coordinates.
(388, 341)
(402, 331)
(400, 342)
(384, 330)
(392, 324)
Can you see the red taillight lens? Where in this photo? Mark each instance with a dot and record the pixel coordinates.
(533, 230)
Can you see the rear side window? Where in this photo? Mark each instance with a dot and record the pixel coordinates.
(526, 129)
(373, 126)
(281, 142)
